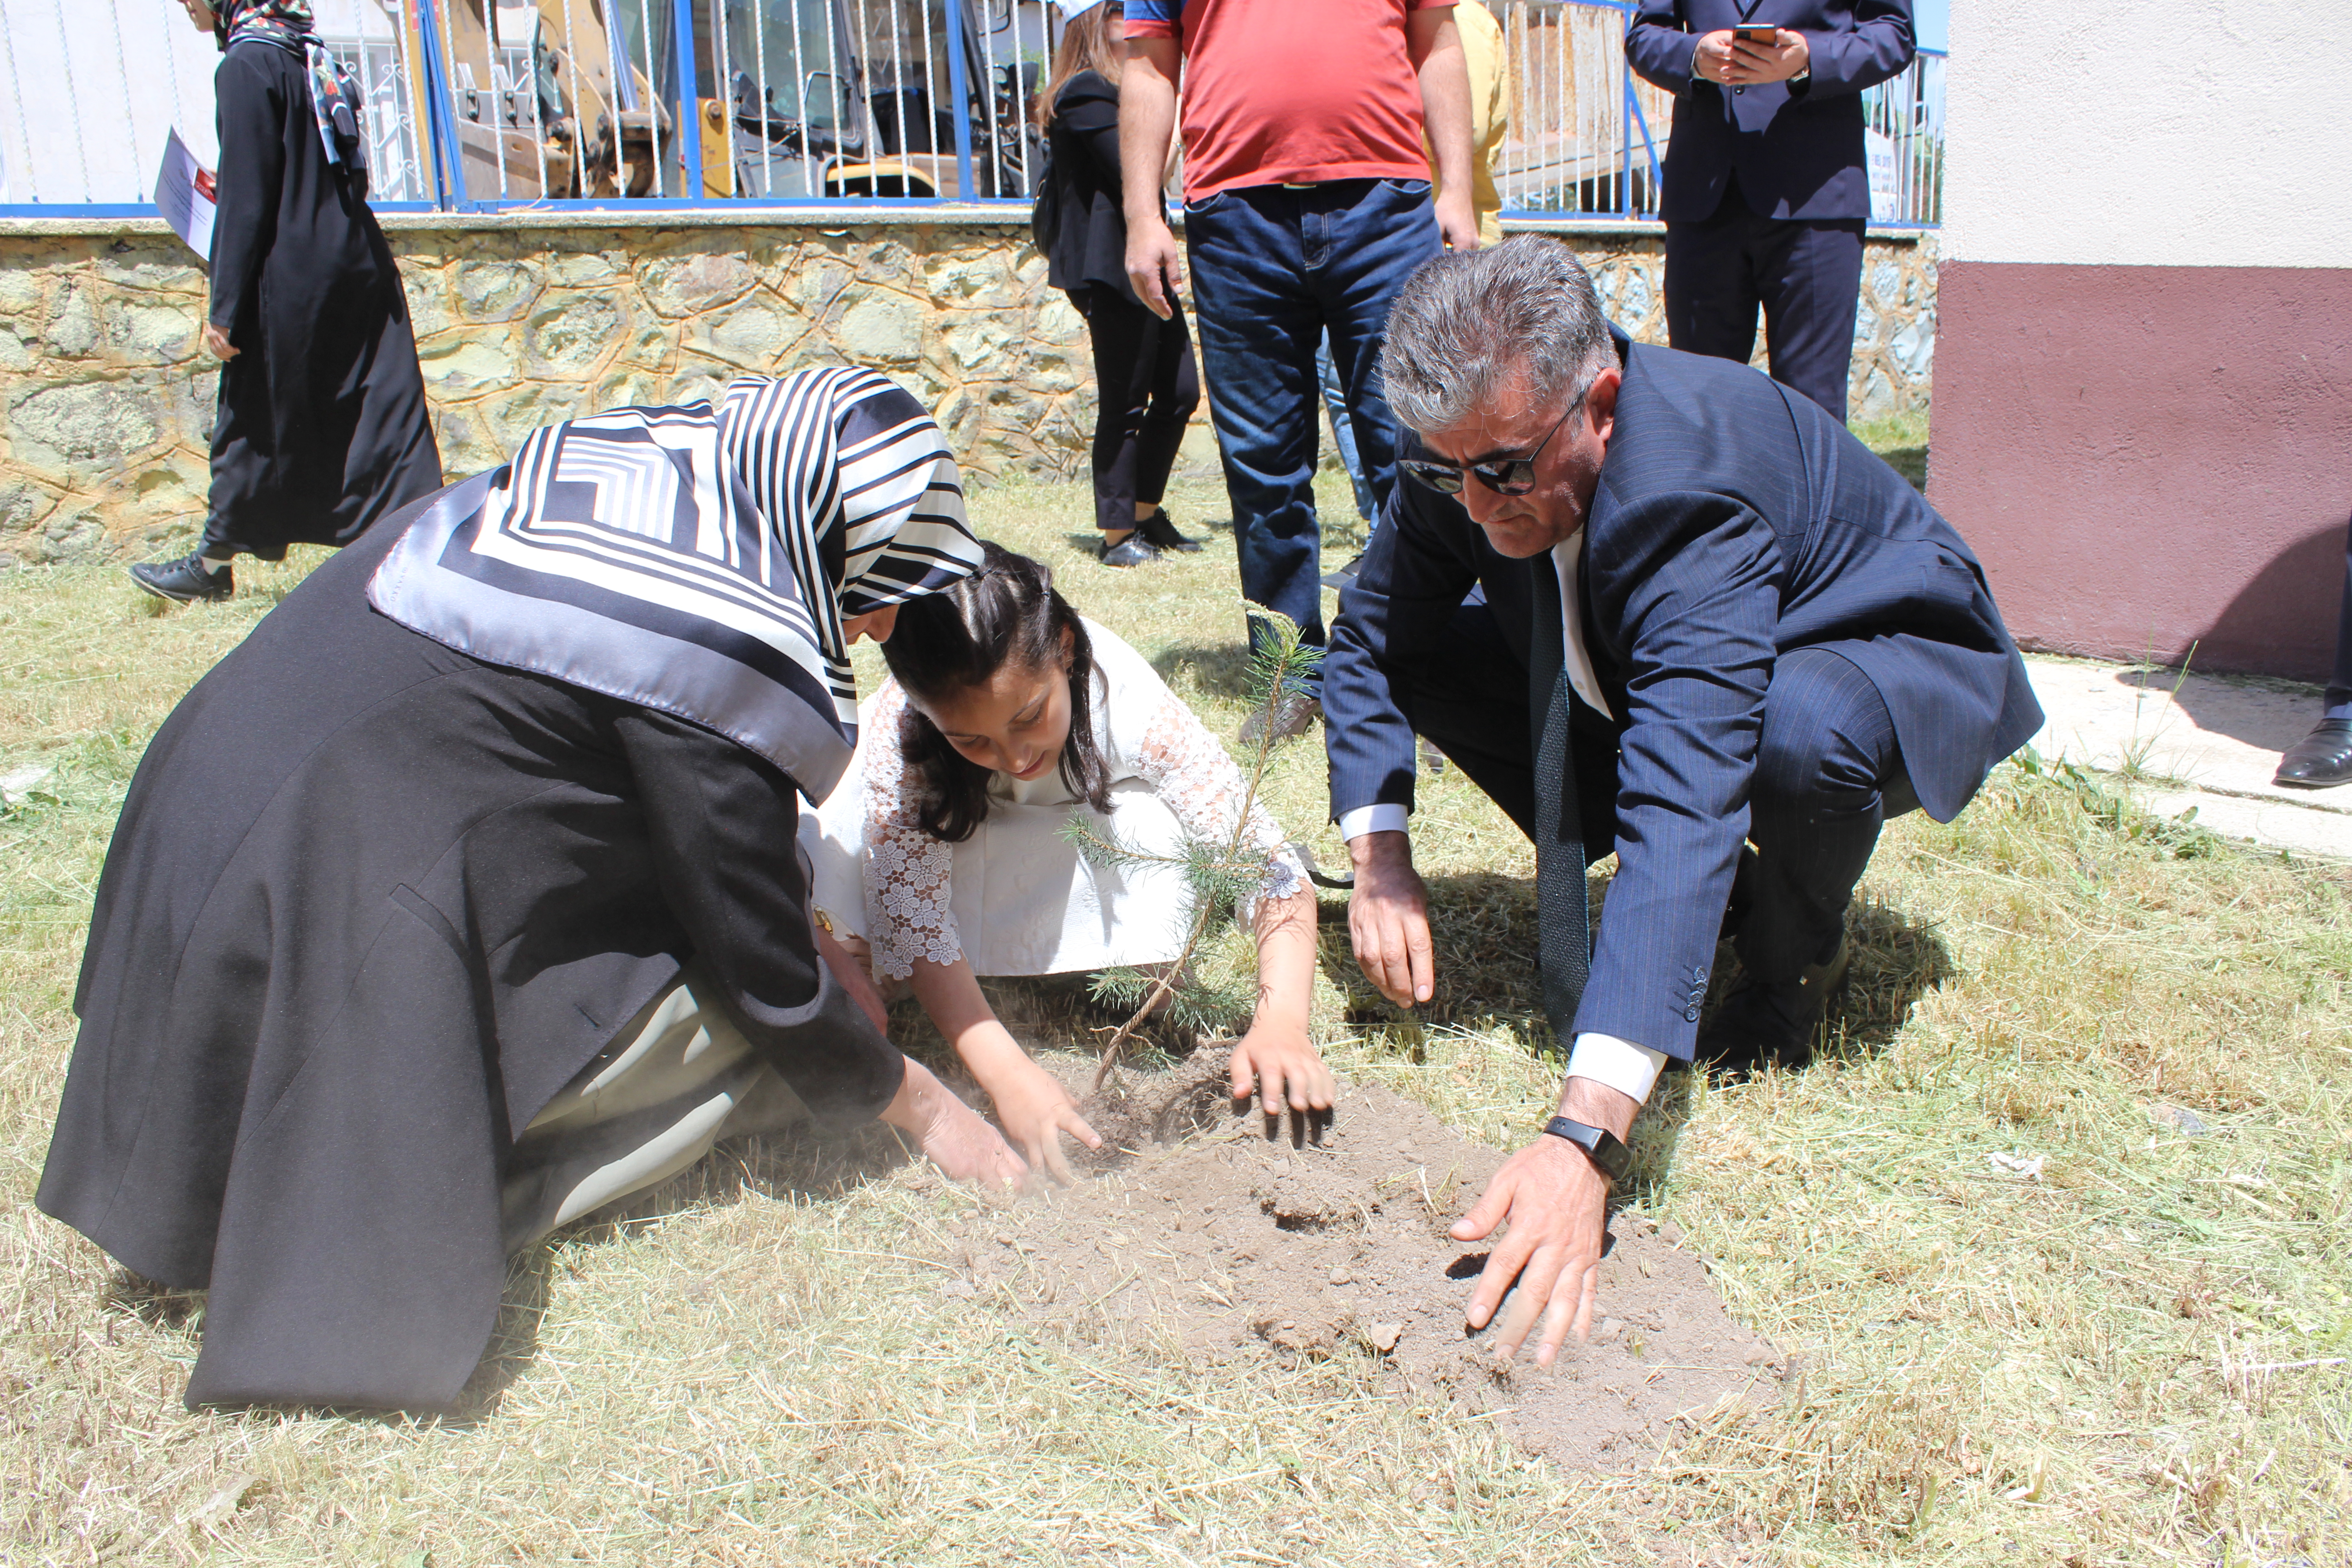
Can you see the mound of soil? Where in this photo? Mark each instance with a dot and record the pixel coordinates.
(1202, 1233)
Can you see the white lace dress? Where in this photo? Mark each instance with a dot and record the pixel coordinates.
(1017, 898)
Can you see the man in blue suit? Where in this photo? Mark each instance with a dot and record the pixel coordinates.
(1650, 603)
(1767, 191)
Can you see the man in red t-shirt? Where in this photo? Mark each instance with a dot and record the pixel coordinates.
(1306, 205)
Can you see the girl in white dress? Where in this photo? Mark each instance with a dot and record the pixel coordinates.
(943, 848)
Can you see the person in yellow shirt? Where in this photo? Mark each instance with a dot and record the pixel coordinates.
(1490, 113)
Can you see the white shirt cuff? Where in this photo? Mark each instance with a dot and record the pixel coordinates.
(1628, 1068)
(1387, 818)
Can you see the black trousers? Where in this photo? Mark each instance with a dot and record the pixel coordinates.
(1828, 775)
(1806, 274)
(2339, 688)
(1146, 387)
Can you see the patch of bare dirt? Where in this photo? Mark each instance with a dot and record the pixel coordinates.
(1201, 1236)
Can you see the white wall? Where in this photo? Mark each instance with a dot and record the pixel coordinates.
(2149, 133)
(90, 87)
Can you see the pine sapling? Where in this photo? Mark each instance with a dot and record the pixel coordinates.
(1218, 874)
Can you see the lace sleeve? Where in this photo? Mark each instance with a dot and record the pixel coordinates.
(907, 871)
(1189, 770)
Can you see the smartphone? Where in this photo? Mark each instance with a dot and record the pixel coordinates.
(1764, 36)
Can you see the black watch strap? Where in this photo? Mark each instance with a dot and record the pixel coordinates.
(1607, 1153)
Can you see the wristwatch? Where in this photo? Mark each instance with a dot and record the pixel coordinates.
(1607, 1153)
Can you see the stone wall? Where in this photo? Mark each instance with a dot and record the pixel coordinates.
(107, 399)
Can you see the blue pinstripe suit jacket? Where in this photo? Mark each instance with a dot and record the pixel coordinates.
(1734, 521)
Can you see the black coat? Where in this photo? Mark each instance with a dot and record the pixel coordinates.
(1090, 247)
(1798, 150)
(370, 904)
(322, 425)
(1734, 522)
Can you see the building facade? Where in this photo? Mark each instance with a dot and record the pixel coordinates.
(2142, 396)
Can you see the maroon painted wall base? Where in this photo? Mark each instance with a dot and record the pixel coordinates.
(2151, 457)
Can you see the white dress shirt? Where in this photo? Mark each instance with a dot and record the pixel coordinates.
(1628, 1068)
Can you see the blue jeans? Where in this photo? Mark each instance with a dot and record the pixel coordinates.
(1274, 268)
(1343, 430)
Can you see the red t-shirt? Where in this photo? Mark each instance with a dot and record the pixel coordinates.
(1289, 91)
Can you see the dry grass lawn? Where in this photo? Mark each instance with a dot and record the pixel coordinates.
(2136, 1356)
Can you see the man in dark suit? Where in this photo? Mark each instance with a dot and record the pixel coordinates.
(1650, 603)
(1767, 192)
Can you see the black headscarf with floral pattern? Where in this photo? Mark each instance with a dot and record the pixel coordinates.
(335, 93)
(287, 23)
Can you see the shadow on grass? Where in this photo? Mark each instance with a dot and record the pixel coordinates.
(153, 1303)
(1911, 462)
(1897, 958)
(1220, 670)
(1486, 971)
(1200, 530)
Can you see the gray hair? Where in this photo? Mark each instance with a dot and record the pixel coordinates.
(1466, 324)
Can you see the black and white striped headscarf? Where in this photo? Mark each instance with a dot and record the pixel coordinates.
(700, 561)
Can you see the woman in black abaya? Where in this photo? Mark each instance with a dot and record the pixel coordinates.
(463, 897)
(322, 425)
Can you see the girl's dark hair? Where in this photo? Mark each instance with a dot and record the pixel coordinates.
(1007, 613)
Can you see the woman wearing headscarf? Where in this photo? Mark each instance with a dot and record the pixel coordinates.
(322, 426)
(463, 897)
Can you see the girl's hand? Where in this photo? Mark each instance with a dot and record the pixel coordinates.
(952, 1136)
(1280, 1065)
(1036, 1111)
(218, 342)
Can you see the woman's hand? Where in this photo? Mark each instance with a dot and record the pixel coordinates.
(1035, 1110)
(216, 343)
(1279, 1064)
(952, 1136)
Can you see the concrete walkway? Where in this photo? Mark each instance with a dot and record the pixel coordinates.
(2210, 741)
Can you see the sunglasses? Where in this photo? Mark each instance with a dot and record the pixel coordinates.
(1506, 477)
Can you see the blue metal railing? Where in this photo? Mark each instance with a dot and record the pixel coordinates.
(659, 105)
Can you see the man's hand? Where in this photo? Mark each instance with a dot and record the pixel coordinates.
(1457, 221)
(1035, 1110)
(1785, 56)
(1155, 264)
(218, 344)
(1387, 919)
(1556, 1203)
(1147, 131)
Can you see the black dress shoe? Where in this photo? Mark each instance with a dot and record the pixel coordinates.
(1161, 532)
(1770, 1024)
(2321, 759)
(1286, 716)
(184, 580)
(1133, 551)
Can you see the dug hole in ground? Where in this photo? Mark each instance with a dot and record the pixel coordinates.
(1200, 1235)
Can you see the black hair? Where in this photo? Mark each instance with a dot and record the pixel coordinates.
(1007, 613)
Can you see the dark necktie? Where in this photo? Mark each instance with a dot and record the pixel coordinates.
(1563, 921)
